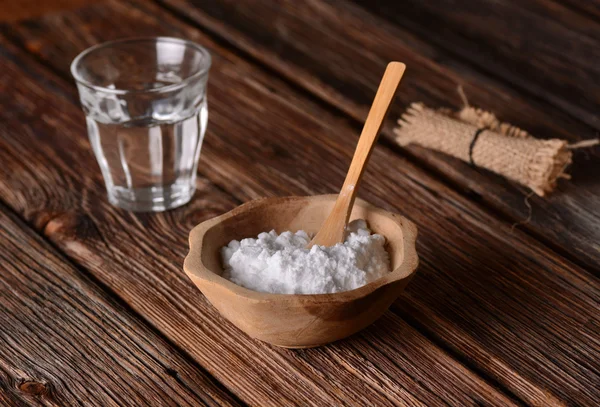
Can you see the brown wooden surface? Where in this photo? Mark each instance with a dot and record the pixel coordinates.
(536, 46)
(11, 10)
(63, 342)
(322, 47)
(493, 317)
(107, 240)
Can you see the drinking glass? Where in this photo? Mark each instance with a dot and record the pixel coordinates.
(145, 105)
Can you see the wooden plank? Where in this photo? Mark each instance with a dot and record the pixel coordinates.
(277, 142)
(66, 342)
(590, 9)
(580, 18)
(321, 46)
(536, 45)
(11, 10)
(59, 192)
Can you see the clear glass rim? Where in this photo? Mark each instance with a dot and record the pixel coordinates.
(167, 88)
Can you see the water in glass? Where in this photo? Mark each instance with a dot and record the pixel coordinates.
(146, 113)
(149, 160)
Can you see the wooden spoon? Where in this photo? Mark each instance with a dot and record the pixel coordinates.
(333, 230)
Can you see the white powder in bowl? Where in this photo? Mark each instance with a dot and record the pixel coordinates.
(280, 264)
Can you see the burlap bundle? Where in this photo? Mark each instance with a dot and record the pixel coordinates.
(478, 137)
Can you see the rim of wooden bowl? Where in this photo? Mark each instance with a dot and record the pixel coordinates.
(193, 265)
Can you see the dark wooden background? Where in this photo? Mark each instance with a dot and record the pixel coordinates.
(94, 306)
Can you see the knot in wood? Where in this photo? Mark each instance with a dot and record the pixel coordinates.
(34, 388)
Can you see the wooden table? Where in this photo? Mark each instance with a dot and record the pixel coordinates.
(96, 310)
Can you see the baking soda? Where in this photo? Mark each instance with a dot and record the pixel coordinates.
(280, 263)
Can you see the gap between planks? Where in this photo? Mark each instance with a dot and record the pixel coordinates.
(74, 99)
(109, 292)
(355, 123)
(475, 375)
(451, 353)
(91, 284)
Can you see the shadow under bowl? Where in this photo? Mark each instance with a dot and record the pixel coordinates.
(298, 320)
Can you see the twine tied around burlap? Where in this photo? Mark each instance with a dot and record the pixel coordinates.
(478, 137)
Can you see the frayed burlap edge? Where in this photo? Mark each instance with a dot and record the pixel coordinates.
(501, 147)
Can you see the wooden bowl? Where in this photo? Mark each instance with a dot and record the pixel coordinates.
(298, 321)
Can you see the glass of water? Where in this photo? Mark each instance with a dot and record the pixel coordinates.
(146, 112)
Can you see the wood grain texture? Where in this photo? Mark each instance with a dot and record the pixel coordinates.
(11, 10)
(589, 9)
(536, 45)
(140, 256)
(322, 47)
(63, 342)
(524, 306)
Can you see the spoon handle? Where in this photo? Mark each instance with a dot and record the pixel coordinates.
(370, 133)
(333, 229)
